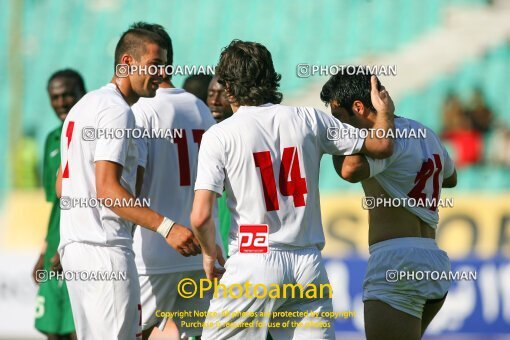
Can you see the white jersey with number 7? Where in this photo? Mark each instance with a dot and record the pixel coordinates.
(267, 158)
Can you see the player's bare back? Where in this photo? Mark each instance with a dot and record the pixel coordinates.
(392, 222)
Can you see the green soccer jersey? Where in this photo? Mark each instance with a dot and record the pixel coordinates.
(53, 314)
(224, 219)
(50, 169)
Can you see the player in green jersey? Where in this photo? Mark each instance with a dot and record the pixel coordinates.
(53, 315)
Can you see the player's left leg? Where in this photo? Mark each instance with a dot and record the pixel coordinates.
(430, 310)
(382, 322)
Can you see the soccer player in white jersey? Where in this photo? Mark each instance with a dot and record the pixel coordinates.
(96, 238)
(160, 267)
(400, 238)
(267, 157)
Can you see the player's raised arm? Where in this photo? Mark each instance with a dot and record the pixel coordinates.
(356, 168)
(353, 168)
(384, 120)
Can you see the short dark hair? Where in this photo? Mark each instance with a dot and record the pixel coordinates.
(347, 88)
(133, 42)
(159, 30)
(247, 72)
(69, 74)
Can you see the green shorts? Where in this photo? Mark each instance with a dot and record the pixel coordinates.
(53, 313)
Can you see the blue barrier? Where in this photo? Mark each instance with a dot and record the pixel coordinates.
(480, 306)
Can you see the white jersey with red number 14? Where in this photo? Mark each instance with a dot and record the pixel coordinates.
(87, 137)
(170, 169)
(268, 157)
(416, 169)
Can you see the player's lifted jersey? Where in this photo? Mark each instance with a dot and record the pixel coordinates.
(268, 157)
(170, 171)
(86, 139)
(416, 170)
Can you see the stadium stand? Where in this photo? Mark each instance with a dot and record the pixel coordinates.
(441, 47)
(82, 36)
(86, 42)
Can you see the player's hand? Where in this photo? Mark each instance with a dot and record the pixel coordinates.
(211, 271)
(182, 239)
(56, 266)
(39, 265)
(381, 100)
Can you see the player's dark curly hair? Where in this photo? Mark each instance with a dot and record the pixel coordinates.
(347, 86)
(247, 72)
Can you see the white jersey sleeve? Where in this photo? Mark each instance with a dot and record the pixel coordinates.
(211, 164)
(330, 133)
(108, 148)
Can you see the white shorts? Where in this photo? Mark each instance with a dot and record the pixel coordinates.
(103, 308)
(388, 259)
(159, 295)
(300, 266)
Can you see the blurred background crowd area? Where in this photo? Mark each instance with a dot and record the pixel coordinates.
(464, 103)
